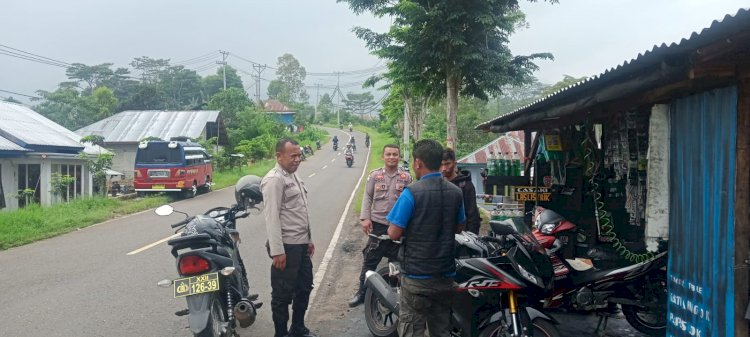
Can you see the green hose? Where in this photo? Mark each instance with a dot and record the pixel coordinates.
(603, 218)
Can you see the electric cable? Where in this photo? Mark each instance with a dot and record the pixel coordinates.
(603, 218)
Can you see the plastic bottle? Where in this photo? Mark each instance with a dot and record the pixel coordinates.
(491, 164)
(516, 165)
(507, 165)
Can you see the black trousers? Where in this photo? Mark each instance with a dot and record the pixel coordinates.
(374, 252)
(291, 286)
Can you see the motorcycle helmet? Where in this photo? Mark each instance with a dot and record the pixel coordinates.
(247, 191)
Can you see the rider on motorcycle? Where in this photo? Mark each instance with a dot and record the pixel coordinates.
(367, 140)
(350, 127)
(353, 144)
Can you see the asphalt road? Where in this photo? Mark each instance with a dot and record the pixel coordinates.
(84, 283)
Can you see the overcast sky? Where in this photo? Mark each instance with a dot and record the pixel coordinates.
(586, 37)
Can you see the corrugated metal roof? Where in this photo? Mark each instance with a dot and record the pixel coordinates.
(25, 128)
(7, 145)
(719, 29)
(132, 126)
(273, 105)
(510, 143)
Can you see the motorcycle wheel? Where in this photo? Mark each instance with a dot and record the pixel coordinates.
(651, 320)
(542, 328)
(380, 320)
(215, 320)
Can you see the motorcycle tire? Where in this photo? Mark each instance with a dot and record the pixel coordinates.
(654, 293)
(380, 321)
(542, 328)
(215, 320)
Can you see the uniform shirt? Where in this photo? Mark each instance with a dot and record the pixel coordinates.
(381, 193)
(285, 198)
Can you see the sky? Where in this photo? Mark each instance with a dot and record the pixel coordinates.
(585, 36)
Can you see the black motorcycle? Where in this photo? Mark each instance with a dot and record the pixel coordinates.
(497, 279)
(213, 279)
(335, 146)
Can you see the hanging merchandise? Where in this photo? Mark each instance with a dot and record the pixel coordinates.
(605, 227)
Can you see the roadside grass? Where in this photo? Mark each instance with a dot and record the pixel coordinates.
(229, 177)
(377, 141)
(34, 223)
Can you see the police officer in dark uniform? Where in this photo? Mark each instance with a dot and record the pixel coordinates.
(384, 185)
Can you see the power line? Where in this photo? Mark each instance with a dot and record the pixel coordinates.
(190, 60)
(35, 55)
(30, 58)
(19, 94)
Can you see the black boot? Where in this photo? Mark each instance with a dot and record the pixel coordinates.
(357, 299)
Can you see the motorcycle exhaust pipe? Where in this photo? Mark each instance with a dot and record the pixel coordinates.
(384, 292)
(245, 313)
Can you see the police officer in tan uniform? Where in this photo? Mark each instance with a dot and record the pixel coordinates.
(384, 185)
(289, 241)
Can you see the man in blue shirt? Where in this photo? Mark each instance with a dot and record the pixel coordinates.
(425, 217)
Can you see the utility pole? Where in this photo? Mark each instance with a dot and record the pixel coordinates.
(223, 62)
(338, 98)
(259, 68)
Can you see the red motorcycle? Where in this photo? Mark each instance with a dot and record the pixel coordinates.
(640, 288)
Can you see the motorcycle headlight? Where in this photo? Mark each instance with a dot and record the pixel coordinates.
(547, 228)
(527, 275)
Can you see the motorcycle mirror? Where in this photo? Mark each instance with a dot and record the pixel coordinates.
(164, 210)
(502, 227)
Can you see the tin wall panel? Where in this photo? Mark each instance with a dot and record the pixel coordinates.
(701, 225)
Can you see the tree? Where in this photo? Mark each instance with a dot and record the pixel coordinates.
(180, 88)
(458, 45)
(230, 102)
(12, 100)
(73, 110)
(325, 108)
(149, 68)
(360, 104)
(276, 89)
(215, 83)
(292, 77)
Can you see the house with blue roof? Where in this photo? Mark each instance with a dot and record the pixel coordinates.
(34, 149)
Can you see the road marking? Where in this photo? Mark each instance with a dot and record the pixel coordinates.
(324, 167)
(323, 268)
(333, 160)
(310, 176)
(339, 154)
(153, 244)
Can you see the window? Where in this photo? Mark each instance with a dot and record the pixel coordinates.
(73, 190)
(28, 184)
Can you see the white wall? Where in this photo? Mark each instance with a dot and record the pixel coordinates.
(124, 159)
(9, 177)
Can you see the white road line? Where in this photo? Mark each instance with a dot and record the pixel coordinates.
(339, 154)
(312, 175)
(321, 273)
(324, 167)
(333, 160)
(153, 244)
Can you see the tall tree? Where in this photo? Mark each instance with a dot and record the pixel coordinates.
(230, 102)
(459, 45)
(215, 83)
(360, 104)
(292, 77)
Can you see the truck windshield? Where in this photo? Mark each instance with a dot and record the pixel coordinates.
(158, 154)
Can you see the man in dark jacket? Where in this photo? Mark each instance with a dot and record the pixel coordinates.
(463, 181)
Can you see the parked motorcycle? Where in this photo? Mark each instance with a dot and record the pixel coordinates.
(496, 279)
(213, 279)
(640, 288)
(349, 159)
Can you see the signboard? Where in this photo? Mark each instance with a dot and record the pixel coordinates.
(553, 142)
(531, 193)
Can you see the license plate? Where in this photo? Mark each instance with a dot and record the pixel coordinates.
(157, 187)
(205, 283)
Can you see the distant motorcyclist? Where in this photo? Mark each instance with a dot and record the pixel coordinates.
(367, 140)
(317, 144)
(351, 127)
(335, 141)
(353, 144)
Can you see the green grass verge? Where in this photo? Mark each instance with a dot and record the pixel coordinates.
(35, 223)
(377, 141)
(229, 177)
